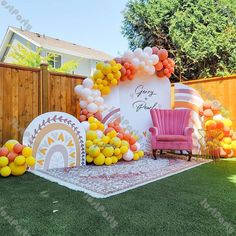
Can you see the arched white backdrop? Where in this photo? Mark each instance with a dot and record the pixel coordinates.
(133, 101)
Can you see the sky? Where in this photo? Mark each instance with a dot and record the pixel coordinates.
(91, 23)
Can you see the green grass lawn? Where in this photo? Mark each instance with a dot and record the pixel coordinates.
(171, 206)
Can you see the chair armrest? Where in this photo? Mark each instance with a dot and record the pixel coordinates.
(188, 131)
(153, 131)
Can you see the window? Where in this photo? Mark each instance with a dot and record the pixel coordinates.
(55, 61)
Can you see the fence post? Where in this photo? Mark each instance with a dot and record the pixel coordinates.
(44, 93)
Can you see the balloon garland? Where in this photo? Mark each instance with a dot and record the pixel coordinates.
(15, 158)
(220, 138)
(108, 145)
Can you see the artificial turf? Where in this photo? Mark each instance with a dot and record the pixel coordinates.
(171, 206)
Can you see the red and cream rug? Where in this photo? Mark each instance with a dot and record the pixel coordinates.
(106, 181)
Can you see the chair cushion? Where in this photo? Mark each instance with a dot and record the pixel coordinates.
(172, 138)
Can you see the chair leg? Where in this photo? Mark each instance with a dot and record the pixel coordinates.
(181, 152)
(161, 151)
(189, 155)
(154, 152)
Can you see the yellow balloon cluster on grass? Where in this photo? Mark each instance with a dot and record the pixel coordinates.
(15, 159)
(106, 75)
(104, 148)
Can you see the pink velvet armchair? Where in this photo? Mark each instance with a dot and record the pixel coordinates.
(171, 131)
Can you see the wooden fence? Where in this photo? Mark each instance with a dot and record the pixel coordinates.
(26, 93)
(222, 89)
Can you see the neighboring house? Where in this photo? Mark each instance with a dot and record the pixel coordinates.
(63, 51)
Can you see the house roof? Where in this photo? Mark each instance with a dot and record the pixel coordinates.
(57, 45)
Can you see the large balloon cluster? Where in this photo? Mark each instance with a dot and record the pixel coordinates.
(220, 138)
(108, 145)
(148, 60)
(15, 159)
(106, 75)
(91, 101)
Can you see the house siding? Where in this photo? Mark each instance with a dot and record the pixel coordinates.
(86, 66)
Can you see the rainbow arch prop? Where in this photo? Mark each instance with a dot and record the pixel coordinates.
(57, 139)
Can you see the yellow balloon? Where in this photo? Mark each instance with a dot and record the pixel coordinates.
(91, 135)
(93, 126)
(136, 156)
(3, 161)
(100, 160)
(110, 76)
(117, 151)
(30, 161)
(112, 134)
(99, 65)
(125, 143)
(106, 139)
(89, 159)
(105, 90)
(91, 119)
(106, 69)
(233, 144)
(89, 143)
(115, 68)
(114, 82)
(108, 151)
(227, 140)
(10, 144)
(19, 160)
(140, 153)
(101, 126)
(116, 142)
(108, 161)
(5, 171)
(227, 122)
(27, 152)
(124, 149)
(114, 159)
(94, 151)
(17, 170)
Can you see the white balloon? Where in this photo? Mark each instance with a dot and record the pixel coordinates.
(78, 89)
(155, 59)
(128, 54)
(101, 108)
(142, 64)
(144, 56)
(86, 92)
(99, 101)
(96, 93)
(83, 104)
(86, 125)
(135, 61)
(138, 146)
(148, 50)
(128, 156)
(92, 108)
(88, 83)
(90, 99)
(99, 133)
(138, 52)
(151, 70)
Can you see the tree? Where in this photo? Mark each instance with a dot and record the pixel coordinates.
(24, 56)
(199, 34)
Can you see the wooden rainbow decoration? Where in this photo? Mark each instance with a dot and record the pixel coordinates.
(58, 141)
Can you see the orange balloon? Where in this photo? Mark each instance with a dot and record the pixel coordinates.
(127, 137)
(159, 66)
(133, 148)
(160, 74)
(163, 54)
(132, 140)
(82, 118)
(120, 135)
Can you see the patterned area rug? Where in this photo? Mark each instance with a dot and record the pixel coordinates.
(106, 181)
